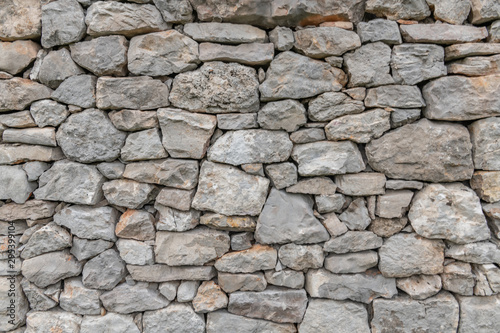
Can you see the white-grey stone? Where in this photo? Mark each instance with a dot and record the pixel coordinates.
(414, 63)
(226, 33)
(478, 314)
(393, 204)
(286, 115)
(50, 237)
(325, 41)
(176, 173)
(399, 9)
(420, 286)
(57, 320)
(259, 257)
(361, 184)
(62, 23)
(143, 145)
(244, 282)
(477, 253)
(394, 96)
(110, 321)
(20, 20)
(282, 174)
(351, 262)
(84, 249)
(282, 38)
(104, 271)
(368, 66)
(77, 90)
(301, 257)
(379, 30)
(222, 321)
(353, 241)
(484, 10)
(175, 11)
(237, 121)
(48, 113)
(170, 219)
(450, 11)
(176, 318)
(49, 268)
(252, 54)
(78, 299)
(18, 93)
(137, 298)
(134, 252)
(331, 105)
(485, 135)
(15, 184)
(356, 216)
(56, 67)
(442, 33)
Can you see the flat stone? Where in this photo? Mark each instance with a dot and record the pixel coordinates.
(71, 182)
(226, 33)
(137, 298)
(15, 184)
(362, 184)
(30, 210)
(21, 119)
(175, 123)
(301, 257)
(292, 75)
(458, 51)
(475, 66)
(46, 321)
(119, 322)
(282, 175)
(164, 273)
(450, 11)
(399, 9)
(282, 38)
(89, 136)
(351, 262)
(393, 204)
(285, 278)
(89, 222)
(325, 41)
(104, 271)
(400, 117)
(111, 170)
(421, 256)
(162, 53)
(116, 18)
(175, 198)
(38, 301)
(20, 20)
(450, 211)
(49, 268)
(248, 54)
(133, 120)
(62, 23)
(476, 253)
(226, 190)
(18, 93)
(307, 135)
(209, 298)
(102, 56)
(57, 66)
(170, 219)
(356, 287)
(176, 173)
(484, 135)
(134, 252)
(18, 55)
(317, 186)
(143, 145)
(394, 96)
(77, 90)
(331, 105)
(141, 93)
(176, 318)
(222, 321)
(368, 66)
(286, 115)
(330, 203)
(379, 30)
(175, 11)
(50, 237)
(353, 241)
(442, 33)
(478, 94)
(478, 313)
(420, 286)
(458, 278)
(136, 224)
(244, 282)
(420, 151)
(128, 193)
(230, 223)
(80, 300)
(259, 257)
(414, 63)
(84, 249)
(393, 184)
(237, 121)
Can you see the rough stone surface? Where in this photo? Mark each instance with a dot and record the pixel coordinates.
(325, 41)
(282, 38)
(450, 11)
(15, 184)
(317, 185)
(442, 33)
(209, 298)
(351, 262)
(222, 321)
(363, 184)
(176, 173)
(300, 257)
(56, 67)
(331, 105)
(225, 33)
(399, 9)
(77, 90)
(230, 223)
(177, 317)
(18, 55)
(143, 145)
(128, 193)
(62, 321)
(379, 30)
(484, 137)
(104, 271)
(393, 204)
(248, 54)
(18, 93)
(353, 241)
(237, 121)
(477, 253)
(49, 268)
(20, 20)
(50, 237)
(244, 282)
(119, 322)
(133, 120)
(394, 96)
(258, 257)
(286, 115)
(48, 113)
(368, 66)
(414, 63)
(78, 299)
(420, 286)
(139, 297)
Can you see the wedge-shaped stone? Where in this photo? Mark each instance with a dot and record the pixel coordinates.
(104, 271)
(76, 298)
(442, 33)
(164, 273)
(353, 241)
(436, 314)
(458, 51)
(476, 253)
(38, 301)
(331, 105)
(487, 185)
(236, 87)
(414, 63)
(15, 184)
(62, 23)
(485, 137)
(128, 193)
(170, 219)
(209, 298)
(176, 318)
(136, 224)
(356, 216)
(225, 33)
(325, 41)
(139, 297)
(289, 217)
(226, 190)
(84, 249)
(420, 151)
(450, 11)
(459, 98)
(133, 120)
(143, 145)
(360, 128)
(30, 210)
(77, 90)
(50, 268)
(230, 223)
(475, 66)
(16, 56)
(393, 204)
(484, 10)
(176, 173)
(368, 66)
(20, 20)
(55, 67)
(116, 18)
(252, 54)
(356, 287)
(492, 212)
(394, 96)
(258, 257)
(222, 321)
(399, 9)
(18, 93)
(50, 237)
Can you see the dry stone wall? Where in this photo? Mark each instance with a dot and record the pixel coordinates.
(249, 166)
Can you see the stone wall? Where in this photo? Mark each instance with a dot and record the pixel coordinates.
(247, 166)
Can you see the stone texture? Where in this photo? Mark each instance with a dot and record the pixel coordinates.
(50, 237)
(187, 291)
(361, 184)
(230, 223)
(368, 65)
(307, 135)
(62, 23)
(176, 318)
(46, 321)
(237, 121)
(134, 252)
(325, 41)
(353, 241)
(282, 38)
(80, 300)
(484, 135)
(57, 66)
(394, 96)
(87, 248)
(225, 33)
(477, 253)
(175, 11)
(128, 193)
(379, 30)
(400, 117)
(241, 241)
(176, 173)
(351, 262)
(133, 120)
(164, 273)
(414, 63)
(475, 66)
(15, 184)
(248, 54)
(484, 10)
(399, 9)
(143, 145)
(18, 93)
(282, 175)
(136, 224)
(35, 136)
(492, 212)
(330, 203)
(170, 219)
(458, 51)
(317, 185)
(244, 282)
(175, 198)
(478, 313)
(301, 257)
(37, 299)
(450, 11)
(49, 268)
(20, 20)
(393, 204)
(222, 321)
(286, 115)
(77, 90)
(209, 298)
(420, 286)
(118, 322)
(30, 210)
(139, 297)
(356, 216)
(331, 105)
(48, 113)
(18, 55)
(258, 257)
(442, 33)
(104, 271)
(360, 128)
(457, 277)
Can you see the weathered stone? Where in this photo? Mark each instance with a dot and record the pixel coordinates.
(436, 314)
(56, 67)
(421, 151)
(230, 223)
(301, 257)
(492, 212)
(187, 291)
(369, 65)
(133, 120)
(31, 210)
(137, 298)
(282, 38)
(494, 33)
(477, 314)
(356, 216)
(175, 11)
(116, 18)
(282, 175)
(330, 203)
(62, 23)
(249, 54)
(322, 315)
(399, 9)
(77, 90)
(403, 255)
(128, 193)
(49, 238)
(317, 186)
(80, 300)
(291, 75)
(351, 262)
(35, 136)
(175, 198)
(222, 321)
(475, 66)
(420, 286)
(169, 289)
(235, 85)
(237, 121)
(450, 11)
(442, 33)
(325, 41)
(414, 63)
(209, 298)
(477, 253)
(48, 113)
(170, 219)
(484, 10)
(458, 51)
(49, 268)
(164, 273)
(259, 257)
(38, 301)
(241, 241)
(55, 321)
(285, 278)
(393, 204)
(325, 158)
(195, 247)
(353, 241)
(143, 145)
(403, 184)
(20, 20)
(15, 184)
(307, 135)
(84, 249)
(14, 303)
(136, 224)
(331, 105)
(360, 128)
(176, 173)
(176, 318)
(362, 184)
(485, 134)
(357, 287)
(400, 117)
(21, 119)
(379, 30)
(226, 190)
(118, 322)
(89, 222)
(18, 55)
(492, 274)
(134, 252)
(394, 96)
(175, 123)
(457, 277)
(225, 33)
(18, 93)
(142, 92)
(244, 282)
(162, 53)
(71, 182)
(286, 115)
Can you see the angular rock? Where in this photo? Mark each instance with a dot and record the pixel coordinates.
(400, 117)
(49, 268)
(133, 120)
(353, 241)
(494, 33)
(285, 278)
(301, 257)
(458, 51)
(331, 105)
(282, 175)
(77, 90)
(170, 219)
(403, 184)
(225, 33)
(111, 170)
(360, 128)
(118, 322)
(18, 55)
(56, 67)
(57, 320)
(362, 184)
(137, 298)
(458, 278)
(30, 210)
(399, 9)
(136, 224)
(241, 241)
(48, 113)
(84, 249)
(450, 11)
(259, 257)
(175, 11)
(244, 282)
(80, 300)
(286, 115)
(176, 318)
(187, 291)
(442, 33)
(237, 121)
(38, 301)
(484, 10)
(104, 271)
(351, 262)
(209, 298)
(62, 23)
(379, 30)
(164, 273)
(420, 286)
(394, 96)
(330, 203)
(143, 145)
(222, 321)
(175, 198)
(492, 212)
(484, 135)
(325, 41)
(49, 238)
(317, 186)
(22, 119)
(356, 216)
(414, 63)
(169, 289)
(368, 66)
(478, 313)
(252, 54)
(282, 38)
(476, 253)
(393, 204)
(15, 184)
(20, 20)
(307, 135)
(475, 66)
(18, 93)
(230, 223)
(35, 136)
(128, 193)
(134, 252)
(176, 173)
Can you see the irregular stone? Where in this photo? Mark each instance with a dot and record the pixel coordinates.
(384, 227)
(241, 241)
(476, 253)
(484, 135)
(325, 158)
(49, 268)
(487, 185)
(134, 252)
(356, 215)
(77, 90)
(282, 175)
(38, 301)
(235, 85)
(421, 256)
(492, 274)
(175, 123)
(133, 120)
(478, 313)
(458, 51)
(322, 315)
(18, 93)
(226, 190)
(176, 173)
(162, 53)
(494, 33)
(331, 105)
(442, 33)
(14, 304)
(56, 67)
(458, 278)
(362, 184)
(301, 257)
(248, 54)
(30, 210)
(176, 318)
(136, 224)
(104, 271)
(62, 23)
(285, 278)
(492, 212)
(57, 320)
(137, 298)
(394, 96)
(475, 66)
(281, 306)
(393, 184)
(393, 204)
(89, 222)
(360, 128)
(80, 300)
(170, 219)
(318, 186)
(357, 287)
(353, 241)
(292, 75)
(351, 262)
(194, 247)
(484, 10)
(369, 65)
(414, 63)
(18, 55)
(164, 273)
(116, 18)
(175, 198)
(187, 291)
(429, 158)
(48, 113)
(20, 20)
(400, 117)
(420, 287)
(102, 56)
(286, 115)
(175, 11)
(84, 249)
(399, 9)
(118, 322)
(282, 38)
(225, 33)
(307, 135)
(325, 41)
(450, 11)
(71, 182)
(436, 314)
(230, 223)
(254, 169)
(128, 193)
(22, 119)
(330, 203)
(15, 184)
(143, 145)
(259, 257)
(379, 30)
(222, 321)
(141, 93)
(237, 121)
(169, 289)
(49, 238)
(209, 298)
(244, 282)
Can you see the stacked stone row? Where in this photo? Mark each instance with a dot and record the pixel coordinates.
(224, 166)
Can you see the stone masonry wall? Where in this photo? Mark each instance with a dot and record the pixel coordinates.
(224, 166)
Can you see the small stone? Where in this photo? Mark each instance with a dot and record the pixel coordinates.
(368, 66)
(18, 55)
(237, 121)
(317, 186)
(379, 30)
(176, 173)
(484, 10)
(254, 169)
(331, 105)
(175, 11)
(104, 271)
(351, 262)
(222, 321)
(20, 20)
(118, 322)
(241, 241)
(15, 184)
(18, 93)
(475, 66)
(393, 204)
(399, 9)
(230, 223)
(301, 257)
(414, 63)
(353, 241)
(330, 203)
(133, 120)
(175, 198)
(252, 54)
(487, 185)
(22, 119)
(49, 268)
(457, 277)
(56, 67)
(356, 215)
(164, 273)
(136, 224)
(282, 174)
(420, 286)
(137, 298)
(17, 153)
(485, 134)
(494, 33)
(225, 33)
(325, 41)
(62, 23)
(282, 38)
(400, 117)
(360, 128)
(244, 282)
(476, 253)
(143, 145)
(442, 33)
(169, 289)
(134, 252)
(49, 238)
(307, 135)
(176, 318)
(335, 61)
(84, 249)
(286, 115)
(77, 90)
(48, 113)
(384, 227)
(450, 11)
(478, 313)
(492, 212)
(187, 291)
(30, 210)
(259, 257)
(80, 300)
(394, 96)
(57, 320)
(362, 184)
(285, 278)
(170, 219)
(393, 184)
(209, 298)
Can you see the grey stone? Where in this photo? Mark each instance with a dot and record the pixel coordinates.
(458, 278)
(475, 66)
(285, 278)
(399, 9)
(141, 92)
(492, 212)
(175, 11)
(317, 186)
(175, 198)
(420, 151)
(237, 121)
(116, 18)
(353, 241)
(281, 306)
(136, 224)
(394, 96)
(111, 170)
(102, 56)
(458, 51)
(393, 184)
(38, 301)
(494, 33)
(325, 158)
(15, 184)
(360, 128)
(134, 252)
(14, 304)
(451, 212)
(35, 136)
(162, 53)
(49, 268)
(133, 120)
(351, 262)
(57, 320)
(442, 33)
(226, 33)
(170, 219)
(110, 321)
(259, 257)
(450, 11)
(400, 117)
(235, 85)
(22, 119)
(369, 65)
(282, 38)
(62, 23)
(379, 30)
(56, 67)
(393, 204)
(226, 190)
(241, 241)
(18, 55)
(176, 173)
(244, 282)
(176, 318)
(436, 314)
(71, 182)
(478, 97)
(492, 273)
(334, 60)
(484, 10)
(325, 41)
(187, 291)
(222, 321)
(30, 210)
(484, 135)
(104, 271)
(478, 313)
(330, 203)
(361, 184)
(20, 20)
(286, 115)
(164, 273)
(331, 105)
(84, 249)
(420, 286)
(230, 223)
(282, 174)
(143, 145)
(80, 300)
(169, 289)
(307, 135)
(356, 287)
(476, 253)
(18, 93)
(248, 54)
(254, 169)
(89, 222)
(292, 75)
(77, 90)
(322, 315)
(175, 123)
(403, 255)
(301, 257)
(137, 298)
(209, 298)
(48, 113)
(356, 215)
(414, 63)
(50, 237)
